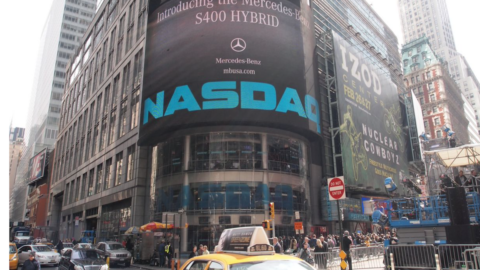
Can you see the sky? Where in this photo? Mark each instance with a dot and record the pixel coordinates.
(19, 53)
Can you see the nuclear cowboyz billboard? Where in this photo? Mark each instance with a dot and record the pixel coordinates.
(229, 62)
(373, 143)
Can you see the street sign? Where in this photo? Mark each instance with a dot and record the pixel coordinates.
(336, 188)
(298, 225)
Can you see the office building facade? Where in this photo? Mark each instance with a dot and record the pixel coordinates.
(441, 99)
(65, 25)
(430, 19)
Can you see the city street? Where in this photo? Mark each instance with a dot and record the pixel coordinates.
(115, 267)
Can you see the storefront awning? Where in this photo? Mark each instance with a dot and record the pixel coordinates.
(457, 157)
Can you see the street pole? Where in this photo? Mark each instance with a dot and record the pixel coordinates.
(339, 218)
(273, 227)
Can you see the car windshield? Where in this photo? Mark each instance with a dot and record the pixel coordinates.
(85, 254)
(277, 265)
(22, 233)
(12, 250)
(42, 248)
(49, 245)
(115, 246)
(67, 245)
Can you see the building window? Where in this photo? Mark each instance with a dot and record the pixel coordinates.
(435, 109)
(418, 78)
(419, 49)
(436, 121)
(123, 119)
(410, 53)
(422, 101)
(118, 168)
(120, 39)
(131, 22)
(65, 202)
(91, 178)
(425, 124)
(137, 69)
(126, 86)
(111, 129)
(108, 174)
(106, 100)
(429, 74)
(116, 81)
(99, 178)
(141, 22)
(405, 62)
(439, 133)
(112, 50)
(84, 182)
(415, 59)
(134, 110)
(432, 97)
(77, 193)
(130, 162)
(103, 136)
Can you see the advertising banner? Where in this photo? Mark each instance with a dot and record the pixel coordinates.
(229, 62)
(36, 166)
(373, 143)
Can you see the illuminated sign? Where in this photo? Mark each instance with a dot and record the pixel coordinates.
(229, 62)
(36, 166)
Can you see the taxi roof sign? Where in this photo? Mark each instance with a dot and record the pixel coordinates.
(246, 241)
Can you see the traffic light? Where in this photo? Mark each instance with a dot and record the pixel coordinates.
(271, 210)
(266, 225)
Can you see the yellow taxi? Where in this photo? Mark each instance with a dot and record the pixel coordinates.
(50, 245)
(13, 256)
(245, 248)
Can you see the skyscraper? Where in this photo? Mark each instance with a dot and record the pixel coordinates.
(430, 18)
(66, 23)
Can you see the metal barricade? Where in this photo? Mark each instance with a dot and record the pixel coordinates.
(321, 259)
(471, 259)
(368, 257)
(413, 257)
(452, 256)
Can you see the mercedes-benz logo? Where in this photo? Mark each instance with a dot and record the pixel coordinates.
(238, 45)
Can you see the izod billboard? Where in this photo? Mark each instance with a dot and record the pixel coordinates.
(229, 62)
(373, 143)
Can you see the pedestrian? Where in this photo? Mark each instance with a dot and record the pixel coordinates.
(161, 253)
(59, 245)
(205, 250)
(276, 246)
(200, 250)
(293, 244)
(194, 252)
(31, 263)
(168, 254)
(346, 243)
(305, 254)
(129, 245)
(74, 242)
(324, 244)
(313, 242)
(321, 258)
(318, 246)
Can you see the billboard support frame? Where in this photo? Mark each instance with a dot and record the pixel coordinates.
(331, 87)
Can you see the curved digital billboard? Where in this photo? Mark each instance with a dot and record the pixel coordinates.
(229, 62)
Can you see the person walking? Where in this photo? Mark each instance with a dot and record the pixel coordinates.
(305, 254)
(293, 244)
(205, 250)
(313, 241)
(321, 257)
(276, 246)
(200, 250)
(346, 243)
(193, 253)
(31, 263)
(161, 253)
(59, 246)
(324, 244)
(168, 254)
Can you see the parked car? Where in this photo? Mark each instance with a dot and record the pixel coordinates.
(83, 245)
(43, 254)
(116, 252)
(81, 258)
(13, 256)
(66, 246)
(50, 245)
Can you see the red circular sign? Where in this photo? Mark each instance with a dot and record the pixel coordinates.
(336, 188)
